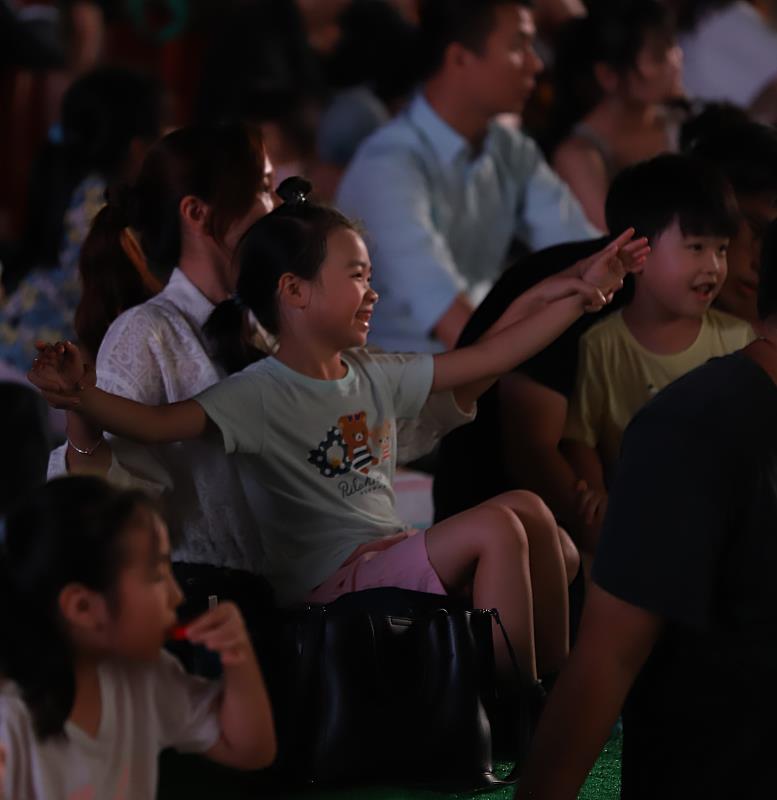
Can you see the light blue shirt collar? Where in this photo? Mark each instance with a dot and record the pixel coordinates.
(448, 144)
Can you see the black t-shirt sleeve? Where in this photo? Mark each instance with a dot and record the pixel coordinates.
(669, 512)
(555, 366)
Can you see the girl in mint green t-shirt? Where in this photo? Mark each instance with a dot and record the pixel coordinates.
(317, 418)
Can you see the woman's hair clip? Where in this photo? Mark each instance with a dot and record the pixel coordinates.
(294, 191)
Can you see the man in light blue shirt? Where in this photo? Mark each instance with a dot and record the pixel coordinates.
(444, 188)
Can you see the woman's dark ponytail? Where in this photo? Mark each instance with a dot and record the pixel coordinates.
(114, 273)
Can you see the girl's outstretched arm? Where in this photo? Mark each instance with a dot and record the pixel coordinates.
(489, 359)
(64, 379)
(538, 317)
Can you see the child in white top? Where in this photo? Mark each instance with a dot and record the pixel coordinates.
(89, 698)
(318, 421)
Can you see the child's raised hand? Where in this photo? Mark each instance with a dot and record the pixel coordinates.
(607, 268)
(222, 630)
(58, 370)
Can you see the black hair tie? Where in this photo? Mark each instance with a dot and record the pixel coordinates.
(294, 191)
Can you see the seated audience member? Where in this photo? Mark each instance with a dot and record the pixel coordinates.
(109, 119)
(197, 190)
(513, 441)
(444, 189)
(614, 73)
(315, 422)
(374, 69)
(747, 154)
(731, 54)
(678, 630)
(521, 420)
(88, 698)
(688, 212)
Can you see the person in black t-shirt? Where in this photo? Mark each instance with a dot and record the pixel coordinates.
(513, 441)
(681, 622)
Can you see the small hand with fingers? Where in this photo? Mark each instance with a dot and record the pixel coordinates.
(60, 372)
(222, 630)
(607, 268)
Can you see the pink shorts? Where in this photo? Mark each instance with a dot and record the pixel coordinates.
(403, 565)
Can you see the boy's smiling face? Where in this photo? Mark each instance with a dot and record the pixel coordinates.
(683, 273)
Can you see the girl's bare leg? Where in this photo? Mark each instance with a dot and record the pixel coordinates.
(487, 547)
(551, 570)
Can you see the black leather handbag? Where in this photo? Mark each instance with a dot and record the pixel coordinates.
(385, 684)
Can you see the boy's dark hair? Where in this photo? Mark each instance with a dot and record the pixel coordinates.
(468, 22)
(67, 531)
(651, 195)
(746, 153)
(767, 285)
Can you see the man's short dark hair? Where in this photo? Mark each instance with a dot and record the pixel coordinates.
(746, 153)
(468, 22)
(651, 195)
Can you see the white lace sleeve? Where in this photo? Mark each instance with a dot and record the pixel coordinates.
(128, 364)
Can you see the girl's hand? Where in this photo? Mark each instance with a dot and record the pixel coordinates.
(591, 504)
(59, 371)
(607, 268)
(223, 631)
(561, 286)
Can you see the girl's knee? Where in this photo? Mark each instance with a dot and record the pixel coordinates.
(499, 528)
(526, 505)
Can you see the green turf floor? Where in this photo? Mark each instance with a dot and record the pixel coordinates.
(179, 782)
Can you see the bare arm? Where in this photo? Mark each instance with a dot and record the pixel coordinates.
(588, 496)
(148, 424)
(614, 642)
(247, 730)
(489, 359)
(532, 422)
(580, 165)
(594, 280)
(451, 324)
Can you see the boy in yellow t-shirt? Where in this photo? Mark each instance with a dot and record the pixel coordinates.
(688, 212)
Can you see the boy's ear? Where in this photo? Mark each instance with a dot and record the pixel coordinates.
(293, 291)
(194, 213)
(83, 609)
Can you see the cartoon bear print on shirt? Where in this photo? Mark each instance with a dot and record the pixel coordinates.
(356, 436)
(381, 439)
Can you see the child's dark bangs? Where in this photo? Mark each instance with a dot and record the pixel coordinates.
(709, 216)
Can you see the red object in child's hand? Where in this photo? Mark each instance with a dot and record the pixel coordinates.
(179, 633)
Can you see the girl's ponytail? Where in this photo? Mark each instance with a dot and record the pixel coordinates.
(35, 654)
(229, 330)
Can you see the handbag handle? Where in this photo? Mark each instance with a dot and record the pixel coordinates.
(530, 692)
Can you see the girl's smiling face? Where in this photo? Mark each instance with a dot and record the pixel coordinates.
(341, 298)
